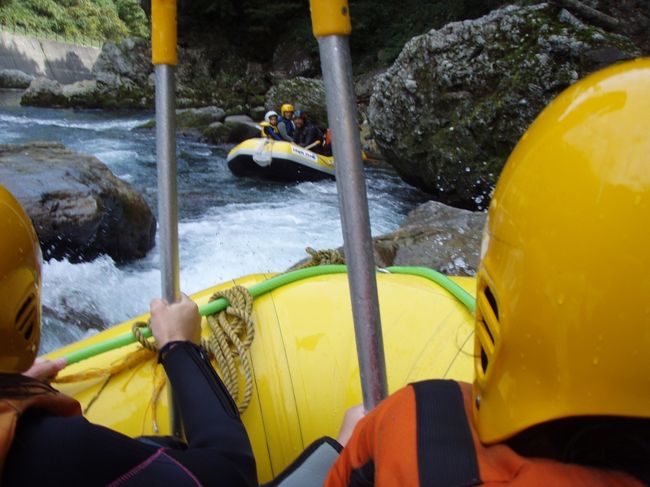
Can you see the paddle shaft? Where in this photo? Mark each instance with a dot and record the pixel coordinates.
(164, 58)
(332, 26)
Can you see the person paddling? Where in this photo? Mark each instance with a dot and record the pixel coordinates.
(44, 439)
(306, 133)
(561, 394)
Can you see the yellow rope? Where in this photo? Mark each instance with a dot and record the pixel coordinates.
(231, 335)
(321, 257)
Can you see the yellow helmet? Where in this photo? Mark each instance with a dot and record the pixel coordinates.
(287, 107)
(20, 284)
(563, 298)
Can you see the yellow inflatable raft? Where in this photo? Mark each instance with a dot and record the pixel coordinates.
(304, 363)
(278, 161)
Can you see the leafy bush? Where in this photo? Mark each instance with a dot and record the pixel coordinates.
(92, 19)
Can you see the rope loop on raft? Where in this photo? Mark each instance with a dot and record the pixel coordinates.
(231, 335)
(136, 329)
(321, 257)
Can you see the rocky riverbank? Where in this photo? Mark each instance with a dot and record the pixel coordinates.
(446, 114)
(450, 110)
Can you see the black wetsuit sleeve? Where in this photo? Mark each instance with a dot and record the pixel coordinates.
(217, 441)
(53, 451)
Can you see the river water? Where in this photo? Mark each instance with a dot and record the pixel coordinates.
(228, 226)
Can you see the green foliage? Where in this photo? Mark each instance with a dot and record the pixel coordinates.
(380, 27)
(92, 19)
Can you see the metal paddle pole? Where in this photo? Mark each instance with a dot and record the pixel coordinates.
(163, 48)
(331, 24)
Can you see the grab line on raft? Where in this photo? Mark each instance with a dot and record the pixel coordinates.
(271, 284)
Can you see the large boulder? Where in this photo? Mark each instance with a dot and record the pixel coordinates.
(14, 78)
(304, 93)
(233, 130)
(437, 236)
(449, 111)
(44, 92)
(79, 208)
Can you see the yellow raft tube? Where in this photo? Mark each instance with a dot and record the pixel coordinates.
(305, 372)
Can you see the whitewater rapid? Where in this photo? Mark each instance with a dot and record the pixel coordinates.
(228, 226)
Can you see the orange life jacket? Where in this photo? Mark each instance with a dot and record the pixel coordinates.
(11, 409)
(328, 136)
(421, 436)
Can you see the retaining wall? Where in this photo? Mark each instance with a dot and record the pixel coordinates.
(65, 63)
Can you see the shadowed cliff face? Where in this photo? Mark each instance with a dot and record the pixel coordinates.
(450, 110)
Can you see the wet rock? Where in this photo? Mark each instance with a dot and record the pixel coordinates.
(216, 133)
(44, 92)
(14, 78)
(234, 129)
(304, 93)
(449, 111)
(199, 117)
(434, 235)
(257, 113)
(241, 130)
(79, 208)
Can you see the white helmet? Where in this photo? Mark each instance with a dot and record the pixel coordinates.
(267, 117)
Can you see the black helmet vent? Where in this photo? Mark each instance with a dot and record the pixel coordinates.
(26, 317)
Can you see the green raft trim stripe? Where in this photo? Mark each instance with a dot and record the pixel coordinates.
(270, 285)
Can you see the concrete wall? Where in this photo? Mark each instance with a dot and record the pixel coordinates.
(65, 63)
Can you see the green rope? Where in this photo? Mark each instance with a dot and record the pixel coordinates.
(269, 285)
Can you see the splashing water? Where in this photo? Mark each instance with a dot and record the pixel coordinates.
(228, 227)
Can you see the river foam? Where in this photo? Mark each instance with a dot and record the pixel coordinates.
(228, 227)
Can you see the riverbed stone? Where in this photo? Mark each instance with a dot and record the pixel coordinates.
(451, 108)
(199, 117)
(14, 78)
(44, 92)
(80, 209)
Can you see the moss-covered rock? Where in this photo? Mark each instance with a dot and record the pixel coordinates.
(304, 93)
(449, 111)
(199, 117)
(216, 133)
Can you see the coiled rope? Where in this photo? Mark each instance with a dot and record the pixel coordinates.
(231, 334)
(321, 257)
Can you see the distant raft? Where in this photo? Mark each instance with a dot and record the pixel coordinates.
(279, 161)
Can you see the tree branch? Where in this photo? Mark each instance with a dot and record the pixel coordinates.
(596, 17)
